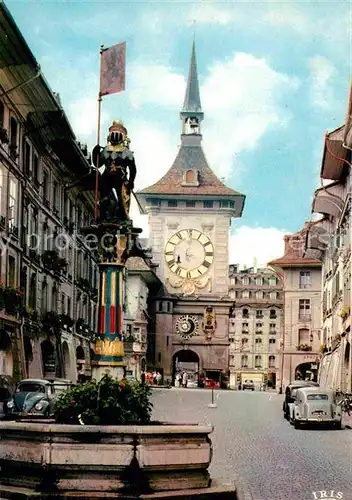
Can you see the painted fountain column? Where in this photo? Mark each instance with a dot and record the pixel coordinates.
(112, 180)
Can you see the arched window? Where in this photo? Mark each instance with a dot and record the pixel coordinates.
(245, 313)
(190, 176)
(272, 313)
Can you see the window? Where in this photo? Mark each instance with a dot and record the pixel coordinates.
(272, 313)
(224, 204)
(258, 341)
(244, 361)
(44, 296)
(13, 133)
(69, 306)
(258, 361)
(259, 313)
(56, 196)
(35, 167)
(259, 281)
(208, 204)
(259, 294)
(271, 361)
(245, 294)
(27, 159)
(272, 341)
(12, 203)
(167, 341)
(190, 204)
(34, 228)
(46, 186)
(245, 341)
(259, 325)
(303, 336)
(160, 306)
(304, 309)
(159, 357)
(245, 313)
(245, 281)
(154, 202)
(32, 298)
(272, 325)
(272, 281)
(63, 304)
(12, 272)
(172, 203)
(54, 296)
(304, 279)
(273, 295)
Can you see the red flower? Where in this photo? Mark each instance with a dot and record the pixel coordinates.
(73, 402)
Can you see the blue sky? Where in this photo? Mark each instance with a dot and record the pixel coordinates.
(274, 77)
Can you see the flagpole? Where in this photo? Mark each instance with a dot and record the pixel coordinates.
(98, 141)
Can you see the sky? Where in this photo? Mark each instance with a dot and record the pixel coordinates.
(274, 77)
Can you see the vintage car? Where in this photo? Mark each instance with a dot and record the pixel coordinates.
(248, 385)
(315, 405)
(290, 394)
(33, 398)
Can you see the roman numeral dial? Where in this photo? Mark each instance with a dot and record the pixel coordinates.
(189, 253)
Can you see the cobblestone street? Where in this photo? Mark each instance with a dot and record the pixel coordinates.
(255, 446)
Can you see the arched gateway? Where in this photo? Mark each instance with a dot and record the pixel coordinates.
(307, 371)
(187, 361)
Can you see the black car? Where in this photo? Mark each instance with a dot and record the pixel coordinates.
(248, 385)
(290, 394)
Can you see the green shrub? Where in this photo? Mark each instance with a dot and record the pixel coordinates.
(108, 402)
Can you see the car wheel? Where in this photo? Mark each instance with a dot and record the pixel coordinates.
(296, 424)
(338, 426)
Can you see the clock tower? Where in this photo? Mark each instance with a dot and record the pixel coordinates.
(189, 212)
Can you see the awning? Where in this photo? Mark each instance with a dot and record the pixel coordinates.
(327, 203)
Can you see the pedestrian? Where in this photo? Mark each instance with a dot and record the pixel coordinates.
(184, 379)
(154, 377)
(158, 378)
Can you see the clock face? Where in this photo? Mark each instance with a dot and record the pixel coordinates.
(187, 326)
(189, 253)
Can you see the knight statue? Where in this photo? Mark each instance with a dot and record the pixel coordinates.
(117, 172)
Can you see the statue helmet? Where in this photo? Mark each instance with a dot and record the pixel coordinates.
(117, 132)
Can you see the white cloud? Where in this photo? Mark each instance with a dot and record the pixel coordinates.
(249, 245)
(322, 73)
(157, 84)
(83, 115)
(154, 151)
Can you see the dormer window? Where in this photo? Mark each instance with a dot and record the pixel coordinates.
(190, 178)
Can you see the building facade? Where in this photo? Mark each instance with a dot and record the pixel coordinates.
(330, 241)
(300, 343)
(255, 326)
(190, 212)
(48, 273)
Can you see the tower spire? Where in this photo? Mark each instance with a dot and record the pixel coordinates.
(191, 114)
(192, 98)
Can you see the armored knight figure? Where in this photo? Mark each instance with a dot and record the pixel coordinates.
(117, 172)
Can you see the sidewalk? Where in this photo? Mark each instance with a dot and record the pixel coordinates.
(347, 420)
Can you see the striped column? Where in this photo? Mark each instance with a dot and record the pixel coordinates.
(110, 319)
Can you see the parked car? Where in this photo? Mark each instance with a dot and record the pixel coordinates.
(315, 405)
(290, 394)
(248, 385)
(33, 398)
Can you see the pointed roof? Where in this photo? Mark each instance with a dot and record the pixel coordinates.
(190, 157)
(192, 98)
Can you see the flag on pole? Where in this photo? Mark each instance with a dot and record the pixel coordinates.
(112, 69)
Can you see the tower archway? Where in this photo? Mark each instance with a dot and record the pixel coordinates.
(186, 361)
(306, 371)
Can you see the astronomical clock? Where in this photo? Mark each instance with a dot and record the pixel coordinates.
(187, 326)
(189, 254)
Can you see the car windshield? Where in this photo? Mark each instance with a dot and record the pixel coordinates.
(317, 397)
(30, 387)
